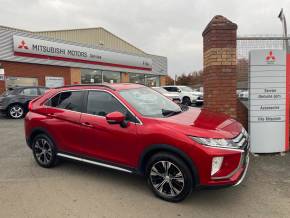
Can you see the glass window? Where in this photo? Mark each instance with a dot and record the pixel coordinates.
(102, 103)
(67, 100)
(152, 80)
(137, 78)
(150, 103)
(171, 89)
(111, 77)
(29, 92)
(91, 76)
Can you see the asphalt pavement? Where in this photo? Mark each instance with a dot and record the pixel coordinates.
(79, 190)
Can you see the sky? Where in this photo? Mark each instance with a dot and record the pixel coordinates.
(170, 28)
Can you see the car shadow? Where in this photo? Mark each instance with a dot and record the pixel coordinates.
(138, 184)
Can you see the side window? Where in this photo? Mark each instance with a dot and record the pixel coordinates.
(174, 89)
(167, 88)
(171, 89)
(29, 92)
(67, 100)
(101, 103)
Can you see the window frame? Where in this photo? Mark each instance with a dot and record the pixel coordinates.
(85, 104)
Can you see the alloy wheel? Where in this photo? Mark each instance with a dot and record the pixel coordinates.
(43, 151)
(167, 178)
(16, 111)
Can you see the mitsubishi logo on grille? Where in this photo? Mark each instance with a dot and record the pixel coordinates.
(270, 58)
(22, 45)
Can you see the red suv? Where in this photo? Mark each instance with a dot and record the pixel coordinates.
(133, 128)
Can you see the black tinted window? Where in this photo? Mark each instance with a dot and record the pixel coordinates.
(102, 103)
(171, 89)
(67, 100)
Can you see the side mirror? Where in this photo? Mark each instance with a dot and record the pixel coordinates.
(178, 90)
(117, 118)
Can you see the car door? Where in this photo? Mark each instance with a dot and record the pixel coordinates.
(104, 141)
(64, 112)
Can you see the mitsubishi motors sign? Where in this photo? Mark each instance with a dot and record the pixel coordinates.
(43, 49)
(268, 101)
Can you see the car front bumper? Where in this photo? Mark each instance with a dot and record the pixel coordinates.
(233, 168)
(197, 100)
(237, 176)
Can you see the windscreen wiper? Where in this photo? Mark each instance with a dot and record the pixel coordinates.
(168, 113)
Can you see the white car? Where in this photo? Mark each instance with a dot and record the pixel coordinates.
(173, 96)
(187, 94)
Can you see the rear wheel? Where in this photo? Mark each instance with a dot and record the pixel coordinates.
(16, 111)
(44, 151)
(169, 177)
(186, 101)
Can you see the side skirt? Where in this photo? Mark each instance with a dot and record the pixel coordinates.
(95, 162)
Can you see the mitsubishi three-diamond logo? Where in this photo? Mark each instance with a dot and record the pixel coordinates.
(270, 58)
(22, 45)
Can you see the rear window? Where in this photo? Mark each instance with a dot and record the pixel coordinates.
(71, 100)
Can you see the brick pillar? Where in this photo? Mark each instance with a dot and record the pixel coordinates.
(124, 77)
(220, 63)
(163, 80)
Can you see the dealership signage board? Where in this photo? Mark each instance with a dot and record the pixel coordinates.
(268, 101)
(43, 49)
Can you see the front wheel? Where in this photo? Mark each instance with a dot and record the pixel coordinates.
(169, 177)
(186, 101)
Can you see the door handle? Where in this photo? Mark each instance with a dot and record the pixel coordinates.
(51, 114)
(87, 124)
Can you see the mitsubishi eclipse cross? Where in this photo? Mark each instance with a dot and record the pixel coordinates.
(135, 129)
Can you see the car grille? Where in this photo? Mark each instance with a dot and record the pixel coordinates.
(242, 139)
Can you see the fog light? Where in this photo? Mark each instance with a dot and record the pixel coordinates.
(216, 164)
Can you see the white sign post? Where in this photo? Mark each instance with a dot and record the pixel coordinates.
(268, 124)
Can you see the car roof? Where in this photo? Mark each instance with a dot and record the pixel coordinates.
(112, 86)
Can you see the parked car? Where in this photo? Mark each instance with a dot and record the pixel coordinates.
(187, 94)
(14, 102)
(173, 96)
(134, 129)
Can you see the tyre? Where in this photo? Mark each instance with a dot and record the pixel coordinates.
(16, 111)
(44, 151)
(169, 177)
(186, 101)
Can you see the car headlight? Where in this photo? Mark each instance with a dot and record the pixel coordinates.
(222, 143)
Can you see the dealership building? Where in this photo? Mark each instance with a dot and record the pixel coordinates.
(77, 56)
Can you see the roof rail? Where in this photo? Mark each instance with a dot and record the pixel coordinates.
(86, 85)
